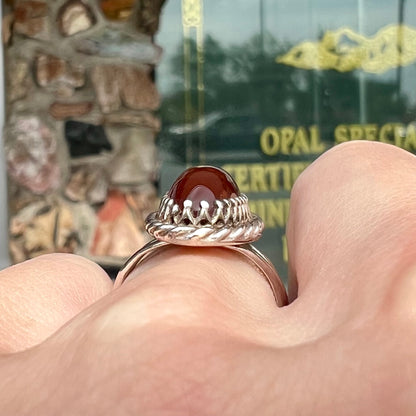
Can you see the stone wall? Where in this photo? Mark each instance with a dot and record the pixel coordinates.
(80, 125)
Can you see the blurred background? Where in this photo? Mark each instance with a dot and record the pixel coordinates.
(107, 101)
(4, 251)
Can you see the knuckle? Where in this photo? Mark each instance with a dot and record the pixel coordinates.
(179, 304)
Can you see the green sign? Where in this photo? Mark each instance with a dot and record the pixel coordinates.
(262, 88)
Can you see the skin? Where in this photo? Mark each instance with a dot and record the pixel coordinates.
(196, 331)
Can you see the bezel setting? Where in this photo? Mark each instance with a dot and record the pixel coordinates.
(204, 207)
(226, 222)
(226, 211)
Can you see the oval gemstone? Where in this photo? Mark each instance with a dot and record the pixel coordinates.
(203, 183)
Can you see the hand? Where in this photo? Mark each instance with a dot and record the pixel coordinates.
(197, 332)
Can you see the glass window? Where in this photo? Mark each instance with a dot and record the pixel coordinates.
(271, 84)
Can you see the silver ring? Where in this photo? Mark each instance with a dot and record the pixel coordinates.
(230, 223)
(204, 208)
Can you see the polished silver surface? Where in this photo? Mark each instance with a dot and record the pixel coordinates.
(229, 222)
(226, 223)
(250, 253)
(224, 211)
(194, 235)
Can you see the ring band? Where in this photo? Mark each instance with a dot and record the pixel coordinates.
(255, 257)
(204, 208)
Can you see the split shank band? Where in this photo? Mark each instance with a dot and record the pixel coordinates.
(204, 208)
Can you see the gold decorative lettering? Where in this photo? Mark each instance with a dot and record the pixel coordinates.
(287, 135)
(191, 13)
(240, 174)
(385, 132)
(258, 207)
(399, 134)
(370, 131)
(266, 177)
(286, 176)
(258, 178)
(301, 142)
(272, 171)
(356, 132)
(346, 50)
(396, 134)
(410, 141)
(270, 141)
(277, 213)
(341, 134)
(289, 140)
(285, 250)
(316, 145)
(274, 212)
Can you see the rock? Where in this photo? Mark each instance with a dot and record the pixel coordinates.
(66, 236)
(31, 155)
(113, 43)
(137, 89)
(117, 233)
(124, 84)
(104, 79)
(85, 139)
(87, 183)
(20, 197)
(62, 111)
(117, 9)
(85, 221)
(148, 14)
(142, 204)
(57, 74)
(31, 19)
(78, 184)
(80, 181)
(40, 228)
(97, 193)
(53, 205)
(17, 253)
(6, 29)
(18, 80)
(74, 17)
(135, 162)
(134, 118)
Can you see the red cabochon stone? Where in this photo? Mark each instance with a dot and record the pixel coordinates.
(203, 183)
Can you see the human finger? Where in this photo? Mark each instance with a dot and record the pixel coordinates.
(206, 287)
(351, 232)
(40, 295)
